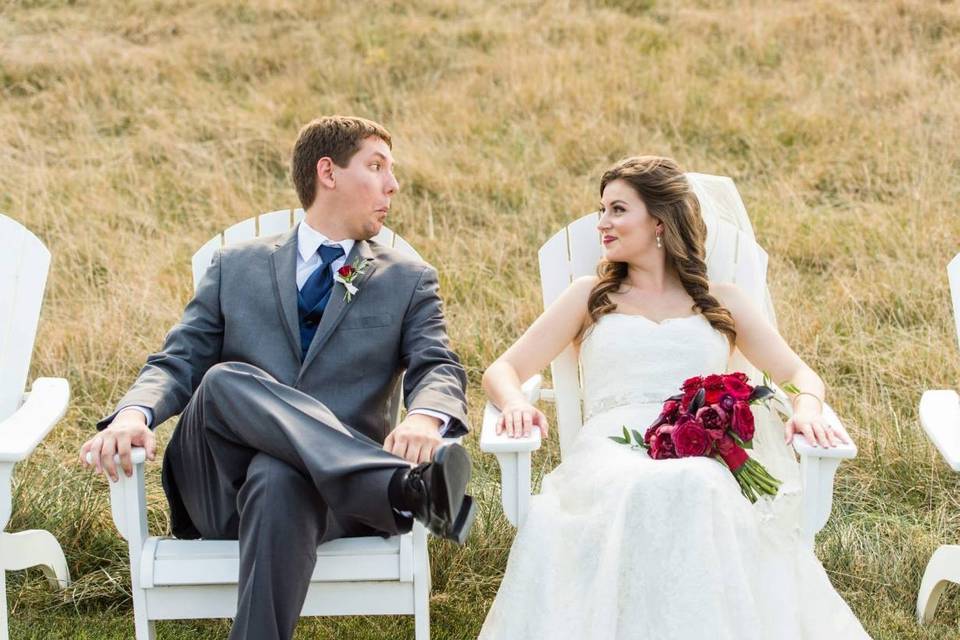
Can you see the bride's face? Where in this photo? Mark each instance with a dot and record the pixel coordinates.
(627, 230)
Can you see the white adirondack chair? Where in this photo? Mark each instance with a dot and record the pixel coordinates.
(181, 579)
(940, 418)
(25, 418)
(733, 255)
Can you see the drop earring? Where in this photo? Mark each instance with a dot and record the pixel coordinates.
(659, 242)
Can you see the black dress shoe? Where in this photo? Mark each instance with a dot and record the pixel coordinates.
(435, 492)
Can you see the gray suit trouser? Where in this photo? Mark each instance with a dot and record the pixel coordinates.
(256, 460)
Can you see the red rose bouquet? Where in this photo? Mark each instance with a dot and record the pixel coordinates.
(711, 418)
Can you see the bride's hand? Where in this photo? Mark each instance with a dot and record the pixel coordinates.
(815, 429)
(518, 420)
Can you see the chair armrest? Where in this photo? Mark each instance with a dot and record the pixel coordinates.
(44, 406)
(818, 465)
(491, 442)
(940, 419)
(138, 455)
(513, 455)
(128, 499)
(843, 451)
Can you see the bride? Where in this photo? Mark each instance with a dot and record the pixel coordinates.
(619, 546)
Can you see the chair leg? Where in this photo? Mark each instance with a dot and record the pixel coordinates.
(35, 548)
(421, 585)
(944, 567)
(144, 628)
(421, 606)
(3, 605)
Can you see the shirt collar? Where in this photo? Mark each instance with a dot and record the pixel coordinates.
(309, 240)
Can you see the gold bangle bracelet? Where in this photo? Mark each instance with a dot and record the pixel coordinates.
(807, 393)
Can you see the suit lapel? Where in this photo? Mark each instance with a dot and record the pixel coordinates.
(284, 262)
(337, 308)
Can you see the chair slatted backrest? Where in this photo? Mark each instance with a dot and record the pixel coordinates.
(270, 224)
(953, 273)
(733, 255)
(276, 222)
(24, 264)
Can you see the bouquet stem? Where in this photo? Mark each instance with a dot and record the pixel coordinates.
(755, 481)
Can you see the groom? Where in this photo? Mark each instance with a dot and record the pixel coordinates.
(282, 369)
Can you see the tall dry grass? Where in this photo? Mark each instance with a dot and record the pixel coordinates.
(130, 132)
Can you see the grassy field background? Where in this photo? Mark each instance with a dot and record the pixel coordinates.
(131, 132)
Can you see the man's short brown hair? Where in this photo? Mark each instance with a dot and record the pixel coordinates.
(336, 137)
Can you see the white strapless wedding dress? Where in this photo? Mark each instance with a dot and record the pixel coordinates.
(618, 546)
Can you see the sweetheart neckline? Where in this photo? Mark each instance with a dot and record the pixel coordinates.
(658, 323)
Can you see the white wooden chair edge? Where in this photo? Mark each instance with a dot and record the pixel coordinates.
(940, 418)
(42, 408)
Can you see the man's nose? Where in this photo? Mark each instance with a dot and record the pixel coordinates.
(392, 185)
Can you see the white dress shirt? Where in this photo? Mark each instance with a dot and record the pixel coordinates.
(308, 261)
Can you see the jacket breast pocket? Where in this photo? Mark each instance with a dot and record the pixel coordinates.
(368, 321)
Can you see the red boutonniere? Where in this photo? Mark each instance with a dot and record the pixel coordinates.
(347, 274)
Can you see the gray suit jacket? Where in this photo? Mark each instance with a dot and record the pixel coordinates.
(245, 309)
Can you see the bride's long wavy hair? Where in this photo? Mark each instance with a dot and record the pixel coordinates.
(667, 194)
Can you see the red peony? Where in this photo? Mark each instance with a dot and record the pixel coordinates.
(667, 415)
(737, 388)
(345, 271)
(714, 420)
(742, 422)
(690, 438)
(661, 444)
(713, 384)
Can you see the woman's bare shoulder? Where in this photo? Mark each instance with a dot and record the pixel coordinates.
(727, 293)
(580, 288)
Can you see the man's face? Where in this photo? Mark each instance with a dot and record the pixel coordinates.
(365, 188)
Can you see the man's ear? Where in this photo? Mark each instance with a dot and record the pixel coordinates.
(325, 173)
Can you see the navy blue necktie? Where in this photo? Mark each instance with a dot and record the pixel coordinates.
(314, 295)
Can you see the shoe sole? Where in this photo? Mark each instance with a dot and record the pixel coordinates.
(451, 458)
(461, 528)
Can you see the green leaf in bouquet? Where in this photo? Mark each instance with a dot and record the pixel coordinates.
(619, 440)
(637, 437)
(789, 387)
(742, 443)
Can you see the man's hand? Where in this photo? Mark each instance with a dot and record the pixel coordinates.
(128, 429)
(415, 439)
